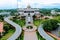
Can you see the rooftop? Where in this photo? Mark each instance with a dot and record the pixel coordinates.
(1, 26)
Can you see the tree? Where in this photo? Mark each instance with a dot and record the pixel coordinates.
(45, 11)
(13, 12)
(50, 25)
(1, 17)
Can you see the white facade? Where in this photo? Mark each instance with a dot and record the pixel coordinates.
(53, 12)
(28, 10)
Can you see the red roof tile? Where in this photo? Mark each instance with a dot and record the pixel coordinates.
(1, 26)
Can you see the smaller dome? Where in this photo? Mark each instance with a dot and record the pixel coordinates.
(28, 6)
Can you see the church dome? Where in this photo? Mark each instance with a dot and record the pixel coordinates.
(28, 6)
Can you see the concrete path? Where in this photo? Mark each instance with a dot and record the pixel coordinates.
(30, 35)
(17, 27)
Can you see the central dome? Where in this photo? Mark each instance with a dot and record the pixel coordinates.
(28, 6)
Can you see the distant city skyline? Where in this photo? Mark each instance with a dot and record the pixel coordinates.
(11, 4)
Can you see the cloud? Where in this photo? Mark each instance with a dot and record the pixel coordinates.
(37, 3)
(8, 4)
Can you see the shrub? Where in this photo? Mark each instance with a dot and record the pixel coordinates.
(50, 24)
(29, 27)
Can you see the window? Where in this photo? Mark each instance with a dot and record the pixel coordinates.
(28, 11)
(29, 22)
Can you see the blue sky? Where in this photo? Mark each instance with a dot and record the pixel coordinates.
(11, 4)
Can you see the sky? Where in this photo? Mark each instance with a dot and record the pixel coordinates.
(11, 4)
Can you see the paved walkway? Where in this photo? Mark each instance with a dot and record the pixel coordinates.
(29, 18)
(30, 35)
(17, 27)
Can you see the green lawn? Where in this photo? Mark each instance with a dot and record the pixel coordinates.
(20, 22)
(57, 18)
(21, 37)
(39, 36)
(6, 36)
(38, 22)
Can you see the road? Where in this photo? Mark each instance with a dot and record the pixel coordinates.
(17, 27)
(43, 33)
